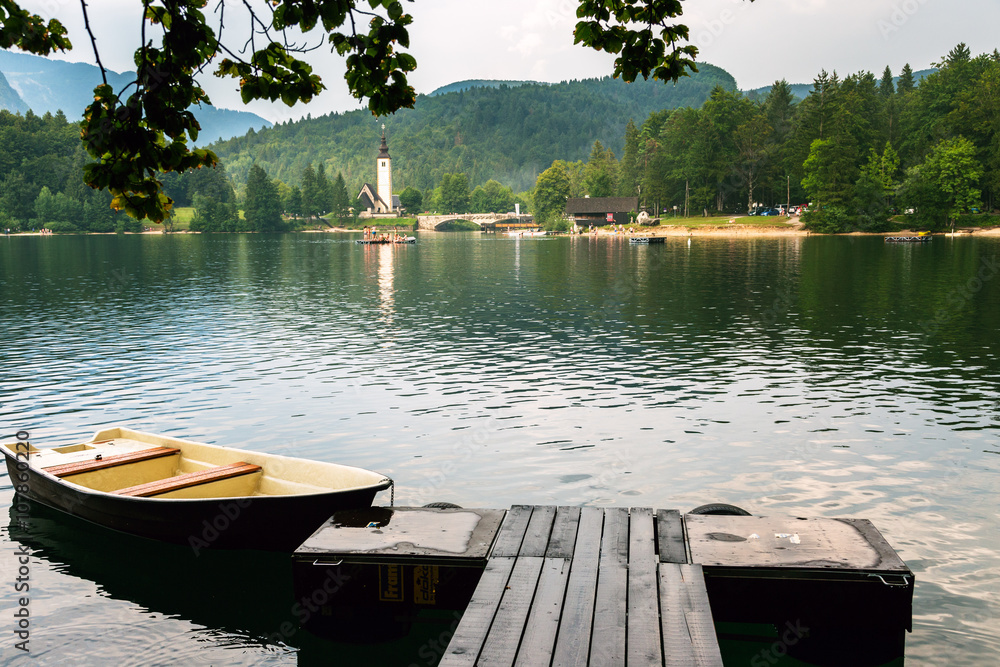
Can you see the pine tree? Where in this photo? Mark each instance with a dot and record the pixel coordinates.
(262, 205)
(341, 200)
(630, 169)
(886, 87)
(312, 195)
(601, 172)
(906, 82)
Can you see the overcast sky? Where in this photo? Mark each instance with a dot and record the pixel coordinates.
(533, 39)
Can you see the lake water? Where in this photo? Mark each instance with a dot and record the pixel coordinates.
(805, 376)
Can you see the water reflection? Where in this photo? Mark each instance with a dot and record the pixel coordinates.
(386, 289)
(786, 375)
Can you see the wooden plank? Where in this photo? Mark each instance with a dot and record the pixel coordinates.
(643, 632)
(563, 537)
(607, 640)
(186, 480)
(467, 642)
(670, 536)
(536, 537)
(539, 638)
(67, 469)
(504, 636)
(572, 647)
(511, 535)
(689, 638)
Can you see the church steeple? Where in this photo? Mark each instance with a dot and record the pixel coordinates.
(383, 150)
(383, 173)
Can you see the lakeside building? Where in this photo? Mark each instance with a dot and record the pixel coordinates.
(378, 200)
(600, 211)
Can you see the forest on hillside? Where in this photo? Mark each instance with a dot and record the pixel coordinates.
(509, 134)
(859, 149)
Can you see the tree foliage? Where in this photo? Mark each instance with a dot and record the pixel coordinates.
(551, 191)
(946, 184)
(262, 206)
(411, 200)
(134, 135)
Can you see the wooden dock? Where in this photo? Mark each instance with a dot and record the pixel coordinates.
(587, 586)
(606, 587)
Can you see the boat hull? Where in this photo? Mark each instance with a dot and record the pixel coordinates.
(269, 523)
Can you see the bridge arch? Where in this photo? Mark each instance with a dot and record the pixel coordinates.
(434, 222)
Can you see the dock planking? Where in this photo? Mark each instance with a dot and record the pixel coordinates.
(571, 586)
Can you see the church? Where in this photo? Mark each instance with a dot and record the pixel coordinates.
(379, 200)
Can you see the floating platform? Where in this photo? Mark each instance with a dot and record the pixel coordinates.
(408, 239)
(647, 240)
(543, 585)
(908, 239)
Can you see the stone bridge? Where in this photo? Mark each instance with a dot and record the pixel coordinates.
(432, 222)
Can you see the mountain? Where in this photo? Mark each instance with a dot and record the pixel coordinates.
(802, 90)
(510, 134)
(9, 99)
(47, 86)
(459, 86)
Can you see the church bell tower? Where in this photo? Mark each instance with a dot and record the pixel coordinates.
(383, 173)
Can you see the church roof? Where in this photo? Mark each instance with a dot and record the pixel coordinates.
(369, 196)
(383, 150)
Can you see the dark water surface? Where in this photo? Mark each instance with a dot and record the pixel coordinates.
(807, 376)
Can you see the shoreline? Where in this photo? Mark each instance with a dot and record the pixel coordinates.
(669, 231)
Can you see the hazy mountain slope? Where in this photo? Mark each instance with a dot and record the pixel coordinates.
(9, 99)
(51, 85)
(510, 134)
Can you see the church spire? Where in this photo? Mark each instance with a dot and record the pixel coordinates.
(384, 148)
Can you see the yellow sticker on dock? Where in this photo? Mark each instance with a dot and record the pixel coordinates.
(425, 581)
(390, 583)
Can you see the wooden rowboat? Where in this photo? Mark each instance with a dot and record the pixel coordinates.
(203, 496)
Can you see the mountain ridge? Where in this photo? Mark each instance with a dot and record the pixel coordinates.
(48, 86)
(460, 86)
(9, 98)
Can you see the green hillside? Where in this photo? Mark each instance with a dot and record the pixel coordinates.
(459, 86)
(504, 133)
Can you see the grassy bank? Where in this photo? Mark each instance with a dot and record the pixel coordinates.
(723, 221)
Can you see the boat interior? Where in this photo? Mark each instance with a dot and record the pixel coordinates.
(143, 465)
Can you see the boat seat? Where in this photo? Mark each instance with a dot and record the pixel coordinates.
(188, 479)
(66, 469)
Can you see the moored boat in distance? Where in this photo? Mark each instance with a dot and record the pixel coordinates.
(908, 239)
(646, 240)
(203, 496)
(526, 233)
